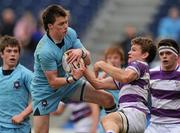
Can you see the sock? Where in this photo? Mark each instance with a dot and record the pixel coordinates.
(111, 109)
(110, 131)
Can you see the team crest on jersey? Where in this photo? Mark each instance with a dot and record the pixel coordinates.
(44, 103)
(17, 85)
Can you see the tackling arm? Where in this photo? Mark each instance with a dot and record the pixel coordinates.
(106, 83)
(121, 75)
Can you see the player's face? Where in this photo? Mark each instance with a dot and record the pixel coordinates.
(60, 26)
(135, 53)
(114, 59)
(168, 60)
(10, 57)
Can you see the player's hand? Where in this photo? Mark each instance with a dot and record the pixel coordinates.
(97, 67)
(78, 72)
(74, 55)
(17, 119)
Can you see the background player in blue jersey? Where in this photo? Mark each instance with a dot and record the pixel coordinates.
(165, 90)
(51, 84)
(15, 82)
(133, 82)
(114, 56)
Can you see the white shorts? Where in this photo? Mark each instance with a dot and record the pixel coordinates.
(84, 125)
(163, 128)
(136, 120)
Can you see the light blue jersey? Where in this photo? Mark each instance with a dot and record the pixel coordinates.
(14, 95)
(48, 56)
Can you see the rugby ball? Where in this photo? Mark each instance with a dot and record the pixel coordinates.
(67, 67)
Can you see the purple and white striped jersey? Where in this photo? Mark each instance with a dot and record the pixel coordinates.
(165, 93)
(135, 93)
(80, 110)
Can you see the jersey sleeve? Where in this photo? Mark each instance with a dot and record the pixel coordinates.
(28, 76)
(139, 68)
(76, 42)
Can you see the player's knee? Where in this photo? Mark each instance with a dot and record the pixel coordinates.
(105, 120)
(113, 120)
(108, 101)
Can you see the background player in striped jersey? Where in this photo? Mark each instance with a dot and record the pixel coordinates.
(15, 82)
(51, 84)
(84, 116)
(133, 83)
(165, 90)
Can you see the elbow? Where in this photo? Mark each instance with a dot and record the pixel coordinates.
(125, 79)
(53, 85)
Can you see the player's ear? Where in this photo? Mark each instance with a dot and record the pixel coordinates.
(145, 55)
(50, 26)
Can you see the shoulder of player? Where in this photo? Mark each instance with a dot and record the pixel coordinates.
(44, 46)
(23, 69)
(138, 64)
(157, 68)
(71, 34)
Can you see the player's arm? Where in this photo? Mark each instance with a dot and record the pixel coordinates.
(121, 75)
(106, 83)
(77, 44)
(56, 82)
(17, 119)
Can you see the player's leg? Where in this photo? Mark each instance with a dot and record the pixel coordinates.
(115, 122)
(41, 124)
(99, 97)
(87, 93)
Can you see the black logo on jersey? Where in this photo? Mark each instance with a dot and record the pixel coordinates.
(44, 103)
(16, 84)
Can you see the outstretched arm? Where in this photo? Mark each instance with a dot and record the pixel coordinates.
(121, 75)
(106, 83)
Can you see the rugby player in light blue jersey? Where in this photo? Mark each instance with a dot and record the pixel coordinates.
(15, 82)
(133, 82)
(51, 84)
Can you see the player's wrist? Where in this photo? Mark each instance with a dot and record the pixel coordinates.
(84, 53)
(71, 79)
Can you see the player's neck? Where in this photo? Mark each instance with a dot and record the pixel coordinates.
(6, 67)
(169, 68)
(55, 38)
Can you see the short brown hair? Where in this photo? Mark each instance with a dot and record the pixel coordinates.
(51, 12)
(113, 50)
(146, 45)
(6, 41)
